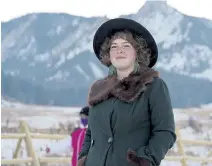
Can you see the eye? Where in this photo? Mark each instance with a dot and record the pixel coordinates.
(126, 45)
(113, 46)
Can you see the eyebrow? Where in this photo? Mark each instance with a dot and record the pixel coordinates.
(122, 42)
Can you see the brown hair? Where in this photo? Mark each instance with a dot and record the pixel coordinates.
(138, 43)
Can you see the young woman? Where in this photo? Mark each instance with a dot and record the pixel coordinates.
(131, 121)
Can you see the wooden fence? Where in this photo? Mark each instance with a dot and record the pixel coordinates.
(36, 161)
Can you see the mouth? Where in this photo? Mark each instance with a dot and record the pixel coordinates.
(120, 57)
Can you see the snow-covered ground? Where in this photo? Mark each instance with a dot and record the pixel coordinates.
(61, 147)
(20, 106)
(41, 117)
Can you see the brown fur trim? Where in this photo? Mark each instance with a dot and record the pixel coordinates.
(126, 90)
(81, 162)
(134, 159)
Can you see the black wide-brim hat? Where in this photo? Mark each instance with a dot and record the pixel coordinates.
(112, 26)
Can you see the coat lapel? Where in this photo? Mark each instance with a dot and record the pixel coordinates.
(105, 110)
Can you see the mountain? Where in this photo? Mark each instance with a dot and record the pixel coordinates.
(48, 58)
(185, 43)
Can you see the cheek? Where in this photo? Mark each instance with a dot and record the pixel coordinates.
(112, 57)
(131, 56)
(134, 54)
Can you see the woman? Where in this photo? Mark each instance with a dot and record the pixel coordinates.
(131, 122)
(79, 134)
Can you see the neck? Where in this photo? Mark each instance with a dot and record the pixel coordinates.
(124, 73)
(82, 126)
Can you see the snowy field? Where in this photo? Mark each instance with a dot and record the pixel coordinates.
(194, 124)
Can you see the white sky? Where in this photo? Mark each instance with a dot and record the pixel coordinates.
(14, 8)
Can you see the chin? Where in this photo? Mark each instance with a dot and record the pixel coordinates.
(121, 67)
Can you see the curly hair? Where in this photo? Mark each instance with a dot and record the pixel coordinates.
(138, 43)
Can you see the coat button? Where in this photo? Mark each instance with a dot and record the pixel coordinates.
(92, 142)
(110, 139)
(147, 152)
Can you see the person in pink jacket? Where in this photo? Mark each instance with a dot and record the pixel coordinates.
(79, 134)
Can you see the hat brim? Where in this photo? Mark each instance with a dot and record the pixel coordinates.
(112, 26)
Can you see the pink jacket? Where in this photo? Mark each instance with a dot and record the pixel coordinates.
(77, 140)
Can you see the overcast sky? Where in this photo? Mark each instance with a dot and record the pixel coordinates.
(14, 8)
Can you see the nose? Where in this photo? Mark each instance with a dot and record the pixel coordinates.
(119, 50)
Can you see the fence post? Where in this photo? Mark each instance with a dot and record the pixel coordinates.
(29, 145)
(180, 147)
(15, 154)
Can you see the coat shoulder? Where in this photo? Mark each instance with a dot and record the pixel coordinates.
(158, 82)
(157, 86)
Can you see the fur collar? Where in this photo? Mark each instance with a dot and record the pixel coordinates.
(126, 90)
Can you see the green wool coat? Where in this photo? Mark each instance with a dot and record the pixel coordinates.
(145, 125)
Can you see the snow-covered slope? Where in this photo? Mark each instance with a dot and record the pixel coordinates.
(50, 55)
(185, 42)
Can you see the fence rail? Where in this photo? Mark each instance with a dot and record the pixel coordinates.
(35, 160)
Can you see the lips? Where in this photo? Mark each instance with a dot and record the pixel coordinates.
(120, 57)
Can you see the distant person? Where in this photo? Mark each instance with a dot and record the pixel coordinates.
(79, 134)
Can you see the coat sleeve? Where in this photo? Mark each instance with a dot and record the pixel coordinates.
(163, 134)
(86, 144)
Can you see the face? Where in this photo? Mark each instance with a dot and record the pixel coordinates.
(122, 54)
(84, 119)
(83, 116)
